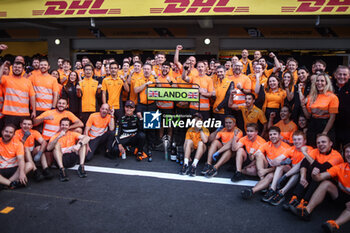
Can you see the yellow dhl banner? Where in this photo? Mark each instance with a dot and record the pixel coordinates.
(10, 9)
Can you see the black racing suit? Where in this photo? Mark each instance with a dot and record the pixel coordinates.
(130, 134)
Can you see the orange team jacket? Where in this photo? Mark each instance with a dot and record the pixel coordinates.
(51, 127)
(68, 141)
(245, 65)
(271, 152)
(44, 86)
(30, 142)
(98, 125)
(9, 152)
(17, 92)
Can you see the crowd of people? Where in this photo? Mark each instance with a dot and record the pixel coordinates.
(283, 123)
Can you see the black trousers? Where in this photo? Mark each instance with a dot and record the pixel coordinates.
(137, 141)
(307, 192)
(106, 138)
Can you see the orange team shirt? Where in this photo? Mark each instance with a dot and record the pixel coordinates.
(30, 142)
(17, 92)
(88, 98)
(36, 72)
(262, 81)
(65, 77)
(204, 82)
(142, 96)
(324, 105)
(274, 99)
(252, 146)
(220, 92)
(195, 136)
(114, 88)
(51, 127)
(68, 141)
(333, 158)
(245, 65)
(271, 152)
(226, 136)
(193, 72)
(295, 155)
(239, 97)
(9, 152)
(44, 86)
(135, 76)
(252, 116)
(287, 130)
(98, 125)
(341, 172)
(165, 104)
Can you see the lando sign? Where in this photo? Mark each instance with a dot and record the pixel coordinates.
(173, 94)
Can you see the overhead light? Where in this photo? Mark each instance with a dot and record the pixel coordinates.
(92, 22)
(206, 41)
(57, 41)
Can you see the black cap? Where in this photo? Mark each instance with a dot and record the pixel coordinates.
(130, 103)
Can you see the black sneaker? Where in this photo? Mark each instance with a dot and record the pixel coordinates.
(63, 175)
(293, 202)
(330, 226)
(277, 199)
(247, 194)
(47, 173)
(183, 170)
(237, 176)
(206, 168)
(301, 212)
(16, 184)
(268, 195)
(38, 176)
(192, 171)
(81, 171)
(212, 172)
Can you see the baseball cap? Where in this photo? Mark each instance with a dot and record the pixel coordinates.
(130, 103)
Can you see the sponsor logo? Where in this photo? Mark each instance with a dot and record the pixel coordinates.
(318, 6)
(151, 120)
(76, 7)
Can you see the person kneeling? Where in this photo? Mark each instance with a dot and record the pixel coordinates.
(68, 147)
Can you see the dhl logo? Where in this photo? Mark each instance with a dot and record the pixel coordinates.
(78, 7)
(197, 6)
(318, 5)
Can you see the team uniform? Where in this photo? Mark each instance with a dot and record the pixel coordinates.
(195, 136)
(89, 98)
(8, 156)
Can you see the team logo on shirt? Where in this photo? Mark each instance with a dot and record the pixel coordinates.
(151, 120)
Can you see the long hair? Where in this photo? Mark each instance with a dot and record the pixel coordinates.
(314, 92)
(70, 83)
(291, 83)
(267, 87)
